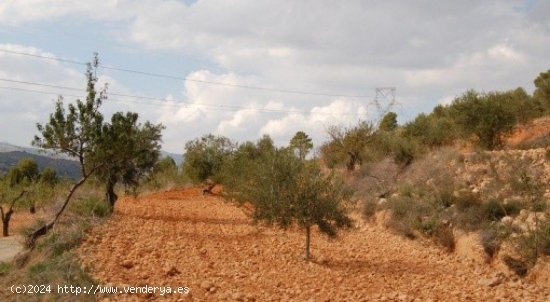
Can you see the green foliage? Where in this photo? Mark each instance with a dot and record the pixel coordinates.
(301, 144)
(49, 177)
(404, 151)
(122, 150)
(131, 150)
(167, 164)
(388, 122)
(285, 190)
(91, 207)
(78, 130)
(5, 268)
(205, 156)
(369, 208)
(61, 269)
(542, 91)
(487, 116)
(348, 145)
(432, 130)
(530, 246)
(466, 199)
(495, 210)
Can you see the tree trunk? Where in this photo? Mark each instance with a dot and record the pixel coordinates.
(43, 230)
(308, 238)
(208, 190)
(110, 194)
(6, 222)
(7, 216)
(353, 159)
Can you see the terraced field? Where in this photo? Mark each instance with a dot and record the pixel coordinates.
(181, 238)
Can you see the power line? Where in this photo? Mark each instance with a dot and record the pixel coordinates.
(160, 101)
(172, 77)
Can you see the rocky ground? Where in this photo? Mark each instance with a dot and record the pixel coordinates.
(180, 238)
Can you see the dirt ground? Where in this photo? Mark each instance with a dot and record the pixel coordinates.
(181, 238)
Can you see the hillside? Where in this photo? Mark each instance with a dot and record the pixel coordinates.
(65, 168)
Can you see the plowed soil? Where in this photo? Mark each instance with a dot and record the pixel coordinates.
(181, 238)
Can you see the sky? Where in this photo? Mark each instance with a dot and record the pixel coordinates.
(306, 65)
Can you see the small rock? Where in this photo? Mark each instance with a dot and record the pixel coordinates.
(172, 271)
(490, 282)
(507, 219)
(127, 264)
(238, 296)
(206, 285)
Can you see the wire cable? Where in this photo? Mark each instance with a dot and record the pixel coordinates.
(167, 102)
(172, 77)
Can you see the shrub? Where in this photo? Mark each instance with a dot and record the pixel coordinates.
(63, 269)
(530, 246)
(445, 198)
(539, 206)
(405, 151)
(91, 207)
(490, 241)
(465, 200)
(495, 210)
(4, 268)
(445, 237)
(517, 266)
(369, 208)
(428, 226)
(470, 219)
(406, 189)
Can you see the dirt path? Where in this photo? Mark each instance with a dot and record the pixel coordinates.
(9, 247)
(180, 238)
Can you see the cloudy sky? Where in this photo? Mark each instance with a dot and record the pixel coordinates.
(317, 62)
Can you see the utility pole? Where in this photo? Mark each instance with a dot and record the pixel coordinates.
(384, 100)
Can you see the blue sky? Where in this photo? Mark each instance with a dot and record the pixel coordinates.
(431, 51)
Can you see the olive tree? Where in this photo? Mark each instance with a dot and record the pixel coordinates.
(22, 187)
(284, 190)
(204, 158)
(131, 150)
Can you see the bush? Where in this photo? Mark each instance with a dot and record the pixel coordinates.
(539, 206)
(409, 215)
(490, 241)
(466, 200)
(369, 208)
(530, 246)
(63, 269)
(495, 210)
(56, 243)
(445, 237)
(4, 268)
(517, 266)
(405, 151)
(470, 219)
(91, 207)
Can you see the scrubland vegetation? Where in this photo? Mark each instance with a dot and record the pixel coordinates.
(444, 172)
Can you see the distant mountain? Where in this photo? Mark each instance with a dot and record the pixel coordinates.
(64, 165)
(65, 168)
(178, 158)
(7, 147)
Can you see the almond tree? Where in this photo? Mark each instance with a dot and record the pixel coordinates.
(120, 150)
(21, 187)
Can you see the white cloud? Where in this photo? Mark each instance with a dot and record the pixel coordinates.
(428, 49)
